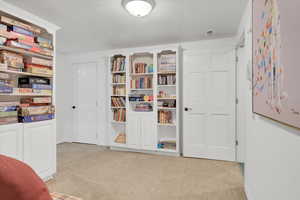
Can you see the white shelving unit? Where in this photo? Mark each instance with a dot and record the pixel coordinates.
(33, 143)
(144, 132)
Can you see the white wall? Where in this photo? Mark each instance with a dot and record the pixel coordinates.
(63, 98)
(272, 165)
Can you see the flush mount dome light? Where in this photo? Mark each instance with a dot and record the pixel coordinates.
(138, 8)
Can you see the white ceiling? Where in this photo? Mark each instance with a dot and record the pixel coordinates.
(89, 25)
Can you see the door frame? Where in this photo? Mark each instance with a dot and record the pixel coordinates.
(198, 51)
(75, 101)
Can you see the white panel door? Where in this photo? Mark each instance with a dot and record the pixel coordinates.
(40, 147)
(209, 104)
(148, 133)
(11, 141)
(133, 132)
(86, 103)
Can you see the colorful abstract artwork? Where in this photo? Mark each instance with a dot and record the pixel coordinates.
(276, 60)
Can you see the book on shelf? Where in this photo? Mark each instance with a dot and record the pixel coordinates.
(165, 117)
(118, 64)
(13, 22)
(142, 68)
(8, 120)
(119, 90)
(166, 79)
(35, 118)
(118, 101)
(143, 107)
(141, 83)
(8, 112)
(167, 63)
(11, 60)
(167, 143)
(33, 80)
(36, 110)
(38, 61)
(119, 115)
(36, 100)
(119, 78)
(140, 98)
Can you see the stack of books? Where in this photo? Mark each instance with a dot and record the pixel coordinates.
(34, 85)
(39, 66)
(141, 83)
(167, 79)
(143, 107)
(141, 68)
(167, 63)
(118, 64)
(140, 97)
(167, 143)
(117, 90)
(119, 115)
(165, 117)
(8, 112)
(36, 109)
(119, 78)
(118, 101)
(11, 61)
(24, 36)
(6, 83)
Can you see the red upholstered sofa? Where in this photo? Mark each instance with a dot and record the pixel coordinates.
(19, 182)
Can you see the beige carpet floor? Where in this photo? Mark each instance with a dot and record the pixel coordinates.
(93, 173)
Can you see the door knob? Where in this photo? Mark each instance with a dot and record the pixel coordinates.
(73, 107)
(187, 109)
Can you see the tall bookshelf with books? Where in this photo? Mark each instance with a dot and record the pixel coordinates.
(27, 89)
(26, 72)
(145, 113)
(118, 101)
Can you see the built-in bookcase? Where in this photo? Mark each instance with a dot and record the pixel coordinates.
(147, 92)
(118, 102)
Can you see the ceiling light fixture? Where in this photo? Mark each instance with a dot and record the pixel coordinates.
(138, 8)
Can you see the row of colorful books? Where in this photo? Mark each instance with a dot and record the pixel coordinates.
(166, 79)
(140, 97)
(117, 90)
(35, 85)
(16, 34)
(27, 110)
(164, 94)
(167, 143)
(118, 64)
(118, 101)
(140, 68)
(16, 62)
(119, 78)
(143, 107)
(167, 63)
(141, 83)
(165, 117)
(119, 115)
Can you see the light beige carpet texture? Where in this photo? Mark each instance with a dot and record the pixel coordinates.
(93, 173)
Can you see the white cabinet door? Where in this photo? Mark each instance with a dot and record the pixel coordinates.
(209, 101)
(133, 132)
(40, 147)
(11, 139)
(148, 132)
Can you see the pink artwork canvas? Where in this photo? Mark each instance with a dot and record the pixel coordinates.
(276, 60)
